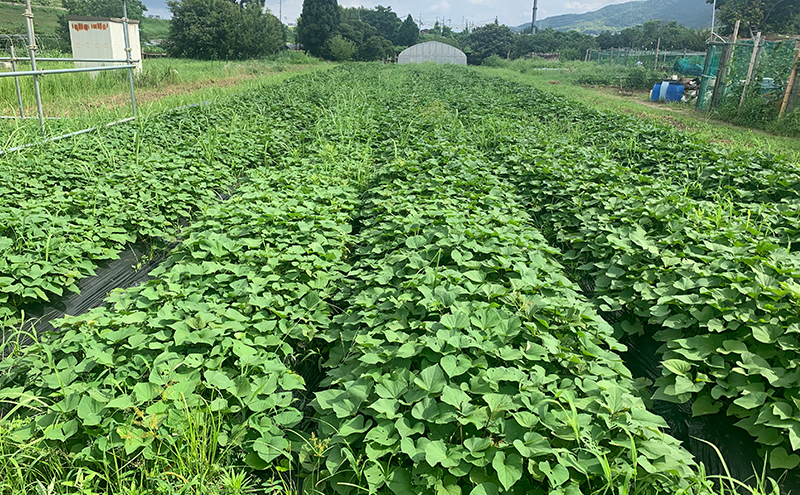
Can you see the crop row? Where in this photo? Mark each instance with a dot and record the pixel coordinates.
(217, 329)
(67, 206)
(70, 204)
(691, 245)
(469, 363)
(411, 336)
(457, 354)
(219, 333)
(720, 294)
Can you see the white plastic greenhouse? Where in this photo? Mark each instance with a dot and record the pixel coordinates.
(432, 51)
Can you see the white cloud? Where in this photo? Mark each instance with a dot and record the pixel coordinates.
(442, 7)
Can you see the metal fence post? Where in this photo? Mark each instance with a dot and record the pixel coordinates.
(32, 51)
(127, 52)
(16, 82)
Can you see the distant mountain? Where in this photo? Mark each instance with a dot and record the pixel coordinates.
(690, 13)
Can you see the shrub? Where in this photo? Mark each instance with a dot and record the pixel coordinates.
(789, 125)
(641, 78)
(494, 61)
(340, 49)
(218, 29)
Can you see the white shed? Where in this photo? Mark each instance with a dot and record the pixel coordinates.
(103, 38)
(432, 51)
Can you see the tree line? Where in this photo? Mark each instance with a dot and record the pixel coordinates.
(223, 29)
(767, 16)
(200, 29)
(238, 29)
(330, 31)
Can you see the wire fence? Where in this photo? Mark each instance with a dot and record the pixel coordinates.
(44, 42)
(30, 41)
(750, 73)
(652, 59)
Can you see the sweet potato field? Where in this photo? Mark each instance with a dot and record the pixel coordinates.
(395, 280)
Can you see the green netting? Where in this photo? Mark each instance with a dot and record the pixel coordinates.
(630, 57)
(20, 42)
(709, 77)
(771, 72)
(690, 66)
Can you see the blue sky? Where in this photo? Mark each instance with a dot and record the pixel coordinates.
(454, 12)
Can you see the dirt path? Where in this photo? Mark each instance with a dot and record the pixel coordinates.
(684, 118)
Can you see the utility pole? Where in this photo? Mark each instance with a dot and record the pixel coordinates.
(713, 19)
(658, 47)
(533, 19)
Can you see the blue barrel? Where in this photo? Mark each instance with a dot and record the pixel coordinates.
(667, 91)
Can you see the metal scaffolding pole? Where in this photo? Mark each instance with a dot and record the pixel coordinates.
(64, 136)
(16, 82)
(127, 52)
(32, 52)
(44, 72)
(44, 59)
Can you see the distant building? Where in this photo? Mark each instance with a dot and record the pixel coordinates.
(432, 51)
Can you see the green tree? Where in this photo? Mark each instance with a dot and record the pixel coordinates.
(318, 22)
(492, 39)
(105, 8)
(368, 43)
(356, 31)
(769, 16)
(408, 33)
(221, 29)
(375, 48)
(571, 45)
(383, 20)
(340, 49)
(673, 36)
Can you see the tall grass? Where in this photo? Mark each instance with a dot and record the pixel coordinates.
(70, 93)
(196, 463)
(80, 101)
(584, 73)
